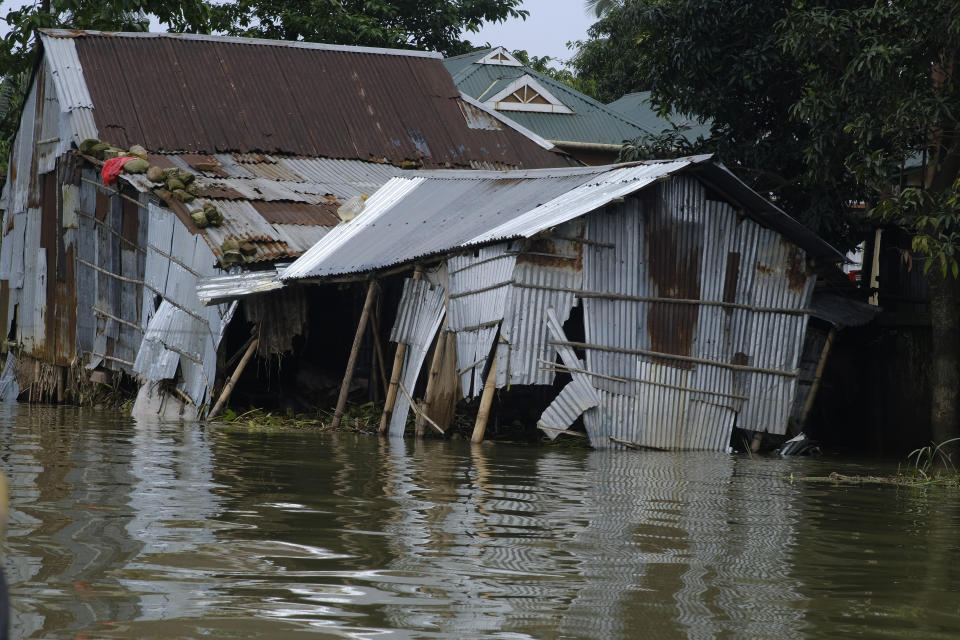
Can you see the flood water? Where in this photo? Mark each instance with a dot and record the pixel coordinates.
(127, 530)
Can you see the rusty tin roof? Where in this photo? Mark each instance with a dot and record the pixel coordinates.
(198, 94)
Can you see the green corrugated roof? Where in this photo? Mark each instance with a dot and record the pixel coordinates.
(637, 107)
(590, 121)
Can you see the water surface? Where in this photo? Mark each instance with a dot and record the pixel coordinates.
(131, 530)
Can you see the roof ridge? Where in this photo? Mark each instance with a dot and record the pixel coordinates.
(579, 94)
(203, 37)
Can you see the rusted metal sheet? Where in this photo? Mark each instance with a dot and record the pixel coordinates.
(299, 213)
(693, 250)
(398, 106)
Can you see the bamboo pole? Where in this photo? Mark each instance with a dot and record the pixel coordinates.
(483, 413)
(815, 385)
(354, 350)
(378, 351)
(395, 373)
(432, 378)
(228, 389)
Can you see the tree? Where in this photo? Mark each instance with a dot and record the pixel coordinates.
(722, 61)
(434, 25)
(600, 7)
(879, 82)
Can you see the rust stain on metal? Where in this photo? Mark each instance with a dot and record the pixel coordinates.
(216, 96)
(160, 160)
(102, 206)
(796, 266)
(674, 270)
(205, 164)
(220, 192)
(764, 269)
(130, 222)
(65, 313)
(731, 276)
(545, 252)
(313, 215)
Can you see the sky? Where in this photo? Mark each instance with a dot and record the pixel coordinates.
(552, 23)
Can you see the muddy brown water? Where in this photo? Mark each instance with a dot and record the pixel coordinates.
(132, 530)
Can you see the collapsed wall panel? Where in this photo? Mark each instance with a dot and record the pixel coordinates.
(419, 316)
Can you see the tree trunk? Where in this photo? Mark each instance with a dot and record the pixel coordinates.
(945, 370)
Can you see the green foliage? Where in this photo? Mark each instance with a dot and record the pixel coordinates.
(879, 83)
(434, 25)
(671, 143)
(722, 61)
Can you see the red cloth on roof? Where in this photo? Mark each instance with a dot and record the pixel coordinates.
(113, 167)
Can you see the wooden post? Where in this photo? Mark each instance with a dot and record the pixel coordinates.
(428, 395)
(815, 385)
(354, 350)
(395, 374)
(231, 383)
(483, 413)
(378, 351)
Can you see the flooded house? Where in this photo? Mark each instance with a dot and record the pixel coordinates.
(271, 139)
(653, 304)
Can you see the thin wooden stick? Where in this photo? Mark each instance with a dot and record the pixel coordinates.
(483, 413)
(671, 356)
(432, 378)
(354, 350)
(634, 445)
(395, 374)
(228, 389)
(419, 410)
(101, 312)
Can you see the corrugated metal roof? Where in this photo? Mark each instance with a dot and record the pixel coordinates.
(637, 107)
(442, 211)
(211, 94)
(282, 218)
(591, 121)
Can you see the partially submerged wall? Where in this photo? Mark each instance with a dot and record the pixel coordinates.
(693, 320)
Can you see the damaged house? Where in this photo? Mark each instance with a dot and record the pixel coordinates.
(98, 281)
(658, 304)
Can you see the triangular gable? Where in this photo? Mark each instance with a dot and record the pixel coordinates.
(500, 56)
(526, 94)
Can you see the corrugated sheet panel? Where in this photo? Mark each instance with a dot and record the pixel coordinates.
(548, 270)
(399, 106)
(686, 247)
(421, 312)
(76, 106)
(478, 293)
(218, 289)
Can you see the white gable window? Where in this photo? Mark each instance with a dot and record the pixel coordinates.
(501, 57)
(526, 94)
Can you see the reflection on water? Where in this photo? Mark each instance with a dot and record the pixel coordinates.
(124, 530)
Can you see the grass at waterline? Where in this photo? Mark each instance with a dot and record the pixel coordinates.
(363, 418)
(929, 466)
